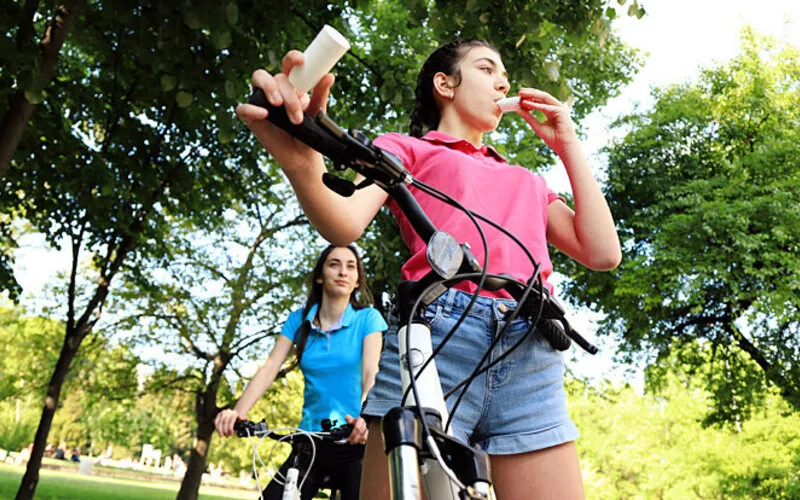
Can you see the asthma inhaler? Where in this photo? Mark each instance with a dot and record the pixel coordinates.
(321, 55)
(508, 104)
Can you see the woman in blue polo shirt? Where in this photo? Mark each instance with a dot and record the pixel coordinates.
(337, 339)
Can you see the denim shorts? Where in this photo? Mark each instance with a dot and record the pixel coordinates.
(519, 405)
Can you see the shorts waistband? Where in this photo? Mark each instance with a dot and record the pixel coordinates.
(457, 301)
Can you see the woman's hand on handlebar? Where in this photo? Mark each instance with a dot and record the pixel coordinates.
(360, 431)
(287, 150)
(225, 420)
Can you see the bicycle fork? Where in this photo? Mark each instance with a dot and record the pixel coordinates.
(403, 434)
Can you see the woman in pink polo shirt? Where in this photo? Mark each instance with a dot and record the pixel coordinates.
(517, 410)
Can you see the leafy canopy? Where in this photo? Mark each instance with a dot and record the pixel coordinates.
(704, 191)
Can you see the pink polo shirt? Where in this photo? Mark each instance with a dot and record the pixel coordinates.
(481, 180)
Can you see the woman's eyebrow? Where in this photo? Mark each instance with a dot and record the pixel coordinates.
(492, 62)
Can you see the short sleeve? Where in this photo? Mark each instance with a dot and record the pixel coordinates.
(399, 145)
(373, 322)
(291, 324)
(552, 195)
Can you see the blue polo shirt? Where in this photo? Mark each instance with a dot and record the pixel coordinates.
(331, 364)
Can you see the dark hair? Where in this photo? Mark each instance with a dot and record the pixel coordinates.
(445, 59)
(360, 297)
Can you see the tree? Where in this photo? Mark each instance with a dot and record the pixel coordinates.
(31, 67)
(655, 445)
(106, 175)
(704, 191)
(103, 377)
(220, 299)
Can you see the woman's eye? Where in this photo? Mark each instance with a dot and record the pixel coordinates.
(487, 70)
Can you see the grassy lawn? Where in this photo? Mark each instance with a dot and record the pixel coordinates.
(67, 485)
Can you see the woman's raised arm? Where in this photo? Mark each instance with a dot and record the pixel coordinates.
(338, 219)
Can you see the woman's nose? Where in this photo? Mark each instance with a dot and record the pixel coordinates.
(503, 85)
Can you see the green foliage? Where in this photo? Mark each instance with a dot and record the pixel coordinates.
(704, 191)
(103, 380)
(27, 345)
(654, 446)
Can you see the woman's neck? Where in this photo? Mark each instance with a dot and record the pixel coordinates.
(454, 126)
(330, 310)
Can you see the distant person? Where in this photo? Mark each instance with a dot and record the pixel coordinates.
(337, 338)
(76, 454)
(60, 453)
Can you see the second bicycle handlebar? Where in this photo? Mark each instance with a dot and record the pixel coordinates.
(247, 428)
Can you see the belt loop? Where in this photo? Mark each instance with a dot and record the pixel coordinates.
(448, 303)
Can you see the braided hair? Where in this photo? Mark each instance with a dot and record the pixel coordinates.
(360, 297)
(445, 59)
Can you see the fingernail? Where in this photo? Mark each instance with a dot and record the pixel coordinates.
(276, 97)
(298, 117)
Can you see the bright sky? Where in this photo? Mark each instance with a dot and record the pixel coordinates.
(680, 36)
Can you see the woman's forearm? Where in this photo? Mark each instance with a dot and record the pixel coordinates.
(338, 219)
(256, 388)
(594, 224)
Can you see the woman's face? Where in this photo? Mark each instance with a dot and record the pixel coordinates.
(339, 273)
(483, 81)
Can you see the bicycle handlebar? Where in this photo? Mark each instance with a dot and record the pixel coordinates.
(247, 428)
(354, 150)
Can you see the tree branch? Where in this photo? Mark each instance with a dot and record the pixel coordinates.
(20, 111)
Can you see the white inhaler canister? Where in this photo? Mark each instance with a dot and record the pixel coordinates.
(321, 55)
(509, 104)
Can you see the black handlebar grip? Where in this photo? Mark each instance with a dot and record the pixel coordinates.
(342, 432)
(245, 428)
(309, 131)
(554, 333)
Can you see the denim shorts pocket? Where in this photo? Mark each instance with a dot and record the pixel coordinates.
(433, 316)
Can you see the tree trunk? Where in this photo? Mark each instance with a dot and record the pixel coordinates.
(68, 351)
(206, 410)
(20, 110)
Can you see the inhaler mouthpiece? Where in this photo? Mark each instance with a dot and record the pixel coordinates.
(321, 55)
(509, 104)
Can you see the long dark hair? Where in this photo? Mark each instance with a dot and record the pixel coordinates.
(445, 59)
(360, 297)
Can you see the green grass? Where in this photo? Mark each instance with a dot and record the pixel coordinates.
(68, 485)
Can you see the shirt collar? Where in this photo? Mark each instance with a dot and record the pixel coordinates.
(435, 136)
(343, 322)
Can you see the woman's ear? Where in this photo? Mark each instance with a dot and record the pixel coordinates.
(442, 86)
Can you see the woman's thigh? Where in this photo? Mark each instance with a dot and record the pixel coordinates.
(375, 469)
(548, 473)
